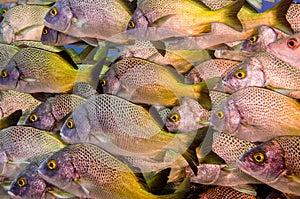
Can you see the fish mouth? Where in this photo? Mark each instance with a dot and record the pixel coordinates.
(227, 87)
(243, 166)
(11, 194)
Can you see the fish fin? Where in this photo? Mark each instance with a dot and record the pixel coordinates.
(280, 10)
(28, 79)
(202, 92)
(191, 159)
(248, 189)
(230, 15)
(67, 55)
(158, 181)
(206, 146)
(6, 184)
(161, 20)
(43, 97)
(95, 71)
(256, 4)
(85, 190)
(17, 162)
(26, 30)
(160, 47)
(58, 193)
(293, 178)
(283, 91)
(10, 120)
(90, 41)
(229, 168)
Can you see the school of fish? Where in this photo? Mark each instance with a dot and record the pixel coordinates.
(152, 99)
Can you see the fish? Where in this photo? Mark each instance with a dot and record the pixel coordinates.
(29, 28)
(214, 4)
(122, 128)
(286, 49)
(263, 69)
(257, 114)
(85, 19)
(31, 69)
(209, 69)
(260, 41)
(14, 100)
(187, 117)
(86, 170)
(156, 20)
(224, 192)
(29, 2)
(54, 38)
(181, 60)
(20, 145)
(164, 88)
(274, 162)
(50, 115)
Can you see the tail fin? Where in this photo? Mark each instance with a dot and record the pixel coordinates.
(230, 13)
(279, 12)
(201, 91)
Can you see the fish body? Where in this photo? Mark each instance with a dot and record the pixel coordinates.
(6, 53)
(86, 170)
(85, 18)
(21, 145)
(292, 16)
(181, 60)
(275, 162)
(187, 117)
(160, 19)
(209, 69)
(29, 28)
(263, 69)
(13, 100)
(120, 127)
(224, 192)
(84, 90)
(286, 49)
(34, 70)
(129, 79)
(54, 38)
(50, 115)
(257, 114)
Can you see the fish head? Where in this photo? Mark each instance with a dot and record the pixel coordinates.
(110, 83)
(7, 33)
(138, 25)
(264, 162)
(28, 184)
(10, 76)
(41, 117)
(260, 41)
(226, 118)
(286, 49)
(49, 36)
(58, 169)
(59, 17)
(247, 74)
(76, 128)
(173, 122)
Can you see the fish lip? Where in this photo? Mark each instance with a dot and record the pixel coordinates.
(11, 194)
(227, 86)
(49, 25)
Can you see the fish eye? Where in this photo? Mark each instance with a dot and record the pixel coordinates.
(21, 182)
(240, 74)
(45, 31)
(4, 73)
(220, 114)
(253, 39)
(51, 164)
(131, 24)
(33, 117)
(259, 157)
(53, 12)
(3, 10)
(103, 82)
(70, 123)
(292, 43)
(174, 117)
